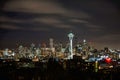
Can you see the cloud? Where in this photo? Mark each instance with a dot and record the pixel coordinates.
(75, 20)
(93, 27)
(76, 14)
(64, 26)
(47, 20)
(16, 24)
(33, 6)
(8, 19)
(42, 6)
(16, 27)
(53, 22)
(34, 24)
(10, 27)
(38, 29)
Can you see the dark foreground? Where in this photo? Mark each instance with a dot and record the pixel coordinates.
(55, 71)
(35, 74)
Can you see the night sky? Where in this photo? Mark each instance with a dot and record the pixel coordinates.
(35, 21)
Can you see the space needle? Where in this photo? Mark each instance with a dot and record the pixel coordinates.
(71, 35)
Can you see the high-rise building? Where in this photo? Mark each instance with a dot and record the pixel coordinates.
(51, 43)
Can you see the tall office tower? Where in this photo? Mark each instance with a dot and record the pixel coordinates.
(84, 45)
(5, 52)
(32, 48)
(20, 49)
(71, 35)
(51, 44)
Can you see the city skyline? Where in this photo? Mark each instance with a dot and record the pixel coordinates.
(35, 21)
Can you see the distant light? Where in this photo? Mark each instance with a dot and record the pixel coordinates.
(108, 60)
(10, 51)
(84, 41)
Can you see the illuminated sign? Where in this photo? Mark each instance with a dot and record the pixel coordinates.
(108, 60)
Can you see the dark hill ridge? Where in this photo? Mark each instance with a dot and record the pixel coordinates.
(54, 70)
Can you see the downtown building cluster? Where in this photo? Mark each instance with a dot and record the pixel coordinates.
(82, 49)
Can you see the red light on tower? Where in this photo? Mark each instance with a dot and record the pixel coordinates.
(108, 60)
